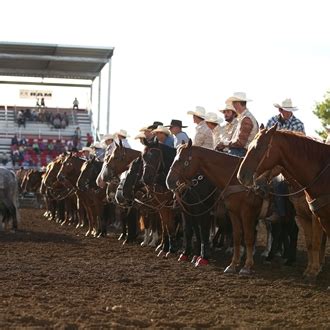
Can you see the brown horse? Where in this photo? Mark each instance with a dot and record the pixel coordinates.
(304, 159)
(243, 206)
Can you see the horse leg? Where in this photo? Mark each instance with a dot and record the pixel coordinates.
(171, 226)
(155, 226)
(131, 225)
(187, 238)
(249, 238)
(237, 234)
(205, 227)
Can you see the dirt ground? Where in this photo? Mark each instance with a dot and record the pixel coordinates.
(52, 276)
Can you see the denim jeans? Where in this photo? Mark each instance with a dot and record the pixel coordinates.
(280, 187)
(240, 152)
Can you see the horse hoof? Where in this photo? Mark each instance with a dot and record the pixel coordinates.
(246, 271)
(169, 254)
(230, 270)
(183, 257)
(201, 262)
(158, 247)
(144, 244)
(195, 259)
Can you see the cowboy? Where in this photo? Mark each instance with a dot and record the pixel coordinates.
(230, 115)
(145, 133)
(107, 146)
(164, 136)
(213, 122)
(179, 136)
(285, 120)
(86, 151)
(247, 126)
(122, 136)
(203, 136)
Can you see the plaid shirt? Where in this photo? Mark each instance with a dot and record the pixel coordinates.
(292, 124)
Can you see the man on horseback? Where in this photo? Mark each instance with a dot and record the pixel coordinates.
(228, 130)
(203, 137)
(247, 126)
(164, 136)
(285, 120)
(213, 122)
(178, 135)
(122, 136)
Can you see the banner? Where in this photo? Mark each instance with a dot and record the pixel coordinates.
(35, 94)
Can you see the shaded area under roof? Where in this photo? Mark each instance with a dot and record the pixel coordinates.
(52, 61)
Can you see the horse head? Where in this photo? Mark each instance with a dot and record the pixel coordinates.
(88, 174)
(258, 158)
(185, 166)
(132, 178)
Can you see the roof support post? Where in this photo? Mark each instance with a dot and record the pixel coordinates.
(99, 104)
(109, 86)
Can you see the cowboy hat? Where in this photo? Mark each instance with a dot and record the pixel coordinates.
(177, 123)
(98, 145)
(199, 112)
(155, 125)
(140, 136)
(229, 106)
(286, 105)
(162, 129)
(106, 137)
(86, 149)
(143, 129)
(238, 96)
(212, 117)
(123, 133)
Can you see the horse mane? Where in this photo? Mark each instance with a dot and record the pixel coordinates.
(308, 145)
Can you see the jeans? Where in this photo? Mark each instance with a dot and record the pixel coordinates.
(280, 187)
(240, 152)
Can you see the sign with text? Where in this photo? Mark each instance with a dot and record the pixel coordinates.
(35, 94)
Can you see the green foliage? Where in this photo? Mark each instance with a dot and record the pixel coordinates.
(322, 111)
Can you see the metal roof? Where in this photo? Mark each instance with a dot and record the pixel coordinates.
(52, 61)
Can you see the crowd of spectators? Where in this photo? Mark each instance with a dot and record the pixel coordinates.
(38, 152)
(56, 120)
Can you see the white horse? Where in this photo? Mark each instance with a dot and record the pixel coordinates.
(8, 198)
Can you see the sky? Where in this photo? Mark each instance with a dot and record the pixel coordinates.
(173, 55)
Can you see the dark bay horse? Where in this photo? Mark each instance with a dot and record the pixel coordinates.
(243, 206)
(304, 159)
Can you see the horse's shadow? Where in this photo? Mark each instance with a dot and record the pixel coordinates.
(37, 237)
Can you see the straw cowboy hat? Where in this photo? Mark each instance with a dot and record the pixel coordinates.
(177, 123)
(98, 145)
(286, 105)
(155, 125)
(229, 106)
(199, 112)
(238, 96)
(123, 133)
(140, 136)
(212, 117)
(106, 137)
(162, 129)
(144, 129)
(86, 149)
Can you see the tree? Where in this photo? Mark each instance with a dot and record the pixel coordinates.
(322, 111)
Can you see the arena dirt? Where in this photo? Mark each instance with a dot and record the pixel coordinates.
(54, 277)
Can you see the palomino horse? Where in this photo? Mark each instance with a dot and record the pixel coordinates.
(243, 206)
(305, 160)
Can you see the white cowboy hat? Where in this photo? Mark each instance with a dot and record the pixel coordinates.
(86, 149)
(199, 112)
(286, 105)
(123, 133)
(162, 129)
(212, 117)
(145, 128)
(229, 106)
(98, 145)
(106, 137)
(238, 96)
(140, 136)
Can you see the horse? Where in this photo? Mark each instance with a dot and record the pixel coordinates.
(292, 152)
(244, 206)
(9, 197)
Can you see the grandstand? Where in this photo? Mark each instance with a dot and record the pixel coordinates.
(67, 64)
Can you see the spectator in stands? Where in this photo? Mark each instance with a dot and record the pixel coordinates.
(42, 102)
(69, 146)
(50, 145)
(38, 104)
(90, 140)
(34, 115)
(75, 103)
(76, 136)
(57, 122)
(35, 146)
(42, 145)
(63, 123)
(20, 119)
(4, 158)
(15, 157)
(27, 114)
(66, 118)
(23, 141)
(14, 140)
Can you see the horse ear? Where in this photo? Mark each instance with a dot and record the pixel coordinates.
(189, 143)
(273, 129)
(144, 141)
(120, 143)
(262, 126)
